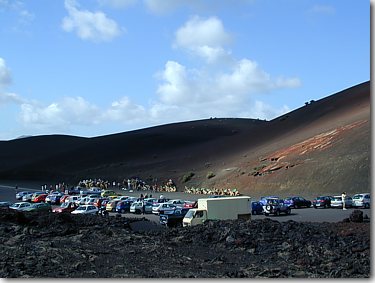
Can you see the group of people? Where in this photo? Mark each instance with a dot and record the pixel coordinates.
(214, 191)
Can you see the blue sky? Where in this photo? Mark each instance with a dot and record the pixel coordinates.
(96, 67)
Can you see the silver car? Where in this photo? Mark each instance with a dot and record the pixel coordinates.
(336, 202)
(361, 200)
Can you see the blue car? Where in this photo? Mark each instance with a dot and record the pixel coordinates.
(263, 200)
(123, 206)
(256, 208)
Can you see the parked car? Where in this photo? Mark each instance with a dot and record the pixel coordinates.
(123, 206)
(173, 218)
(107, 193)
(51, 195)
(263, 200)
(275, 206)
(19, 195)
(336, 202)
(256, 208)
(74, 190)
(42, 206)
(190, 204)
(361, 200)
(65, 207)
(177, 202)
(28, 196)
(162, 207)
(322, 201)
(297, 202)
(137, 207)
(111, 205)
(19, 205)
(85, 209)
(39, 198)
(56, 198)
(63, 198)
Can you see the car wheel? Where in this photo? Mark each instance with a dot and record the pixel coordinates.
(289, 211)
(122, 210)
(277, 212)
(367, 205)
(268, 207)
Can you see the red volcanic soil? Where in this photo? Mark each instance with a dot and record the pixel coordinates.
(322, 147)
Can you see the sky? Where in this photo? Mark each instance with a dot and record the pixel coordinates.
(96, 67)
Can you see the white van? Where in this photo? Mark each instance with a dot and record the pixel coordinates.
(361, 200)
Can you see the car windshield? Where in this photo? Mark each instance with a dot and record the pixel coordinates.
(81, 208)
(189, 214)
(357, 196)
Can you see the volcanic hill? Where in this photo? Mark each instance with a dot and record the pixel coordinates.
(320, 148)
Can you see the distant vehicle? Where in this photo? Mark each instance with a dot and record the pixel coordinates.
(111, 205)
(263, 200)
(39, 198)
(86, 209)
(19, 195)
(65, 207)
(108, 193)
(336, 202)
(123, 206)
(91, 191)
(297, 202)
(162, 207)
(20, 205)
(74, 190)
(190, 204)
(36, 194)
(276, 206)
(177, 202)
(362, 200)
(256, 208)
(42, 206)
(322, 201)
(63, 198)
(226, 208)
(173, 218)
(137, 207)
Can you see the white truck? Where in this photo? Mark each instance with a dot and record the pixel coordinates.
(223, 208)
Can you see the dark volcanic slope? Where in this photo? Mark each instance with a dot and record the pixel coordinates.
(320, 147)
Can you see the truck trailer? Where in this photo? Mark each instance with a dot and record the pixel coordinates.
(225, 208)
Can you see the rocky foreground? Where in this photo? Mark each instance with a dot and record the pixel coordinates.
(77, 246)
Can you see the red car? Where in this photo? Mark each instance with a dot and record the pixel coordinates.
(190, 204)
(40, 198)
(63, 198)
(65, 207)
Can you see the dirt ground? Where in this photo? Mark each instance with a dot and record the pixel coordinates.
(37, 245)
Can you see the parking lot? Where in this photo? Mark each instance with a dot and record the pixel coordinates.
(7, 193)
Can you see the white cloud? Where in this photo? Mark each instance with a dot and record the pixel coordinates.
(94, 26)
(59, 115)
(203, 37)
(117, 4)
(203, 94)
(124, 111)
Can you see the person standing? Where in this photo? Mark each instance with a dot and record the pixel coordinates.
(343, 196)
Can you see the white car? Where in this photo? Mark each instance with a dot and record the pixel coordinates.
(336, 202)
(159, 208)
(86, 209)
(177, 202)
(361, 200)
(137, 207)
(20, 205)
(27, 196)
